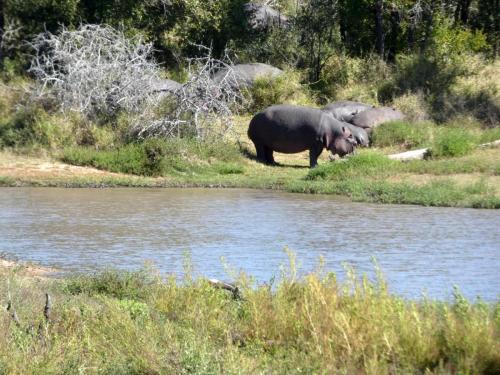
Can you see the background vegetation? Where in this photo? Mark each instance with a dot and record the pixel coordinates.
(435, 61)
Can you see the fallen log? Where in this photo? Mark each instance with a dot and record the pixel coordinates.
(226, 286)
(422, 153)
(490, 144)
(419, 154)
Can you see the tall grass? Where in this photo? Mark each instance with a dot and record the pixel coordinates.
(133, 323)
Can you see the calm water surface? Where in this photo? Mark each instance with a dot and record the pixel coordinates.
(420, 250)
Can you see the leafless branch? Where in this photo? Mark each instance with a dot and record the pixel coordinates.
(203, 106)
(94, 70)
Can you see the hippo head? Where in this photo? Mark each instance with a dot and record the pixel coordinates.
(341, 141)
(361, 137)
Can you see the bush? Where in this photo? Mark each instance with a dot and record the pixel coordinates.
(284, 89)
(412, 105)
(490, 135)
(402, 133)
(352, 78)
(119, 284)
(32, 127)
(140, 159)
(452, 142)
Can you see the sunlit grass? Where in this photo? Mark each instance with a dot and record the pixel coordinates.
(140, 323)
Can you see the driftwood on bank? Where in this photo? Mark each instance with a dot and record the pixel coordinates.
(490, 144)
(419, 154)
(422, 153)
(226, 286)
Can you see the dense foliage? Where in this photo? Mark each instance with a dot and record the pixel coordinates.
(136, 323)
(319, 27)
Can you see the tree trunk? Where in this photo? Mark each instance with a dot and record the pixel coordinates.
(395, 22)
(379, 27)
(2, 26)
(465, 11)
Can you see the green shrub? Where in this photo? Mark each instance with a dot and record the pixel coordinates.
(353, 78)
(402, 133)
(119, 284)
(450, 142)
(490, 135)
(284, 89)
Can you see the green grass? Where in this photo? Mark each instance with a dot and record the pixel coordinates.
(451, 142)
(402, 133)
(160, 157)
(138, 323)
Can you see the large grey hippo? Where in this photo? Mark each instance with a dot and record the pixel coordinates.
(247, 74)
(344, 110)
(291, 129)
(373, 117)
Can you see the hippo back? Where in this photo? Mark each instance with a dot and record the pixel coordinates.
(247, 74)
(371, 118)
(344, 110)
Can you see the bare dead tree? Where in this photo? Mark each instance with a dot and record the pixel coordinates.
(203, 107)
(94, 70)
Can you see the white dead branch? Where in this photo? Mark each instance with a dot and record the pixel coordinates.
(203, 107)
(410, 155)
(422, 153)
(490, 144)
(94, 70)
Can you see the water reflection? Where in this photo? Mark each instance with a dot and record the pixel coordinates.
(418, 248)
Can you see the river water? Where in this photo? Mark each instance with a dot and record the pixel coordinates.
(421, 250)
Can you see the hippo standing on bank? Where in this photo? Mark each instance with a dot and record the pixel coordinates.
(290, 129)
(345, 110)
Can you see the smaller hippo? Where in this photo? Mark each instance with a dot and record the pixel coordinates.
(345, 110)
(360, 135)
(291, 129)
(371, 118)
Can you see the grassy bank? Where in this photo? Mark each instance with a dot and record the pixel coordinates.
(138, 323)
(471, 180)
(43, 148)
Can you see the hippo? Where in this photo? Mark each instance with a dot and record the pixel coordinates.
(373, 117)
(247, 74)
(165, 87)
(345, 110)
(360, 135)
(290, 129)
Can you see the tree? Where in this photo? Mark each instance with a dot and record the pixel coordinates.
(2, 27)
(379, 26)
(317, 25)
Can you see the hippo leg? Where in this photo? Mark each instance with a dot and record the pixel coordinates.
(261, 152)
(269, 155)
(314, 153)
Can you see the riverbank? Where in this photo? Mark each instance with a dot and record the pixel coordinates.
(137, 322)
(472, 180)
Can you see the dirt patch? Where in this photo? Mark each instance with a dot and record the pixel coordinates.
(24, 167)
(26, 269)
